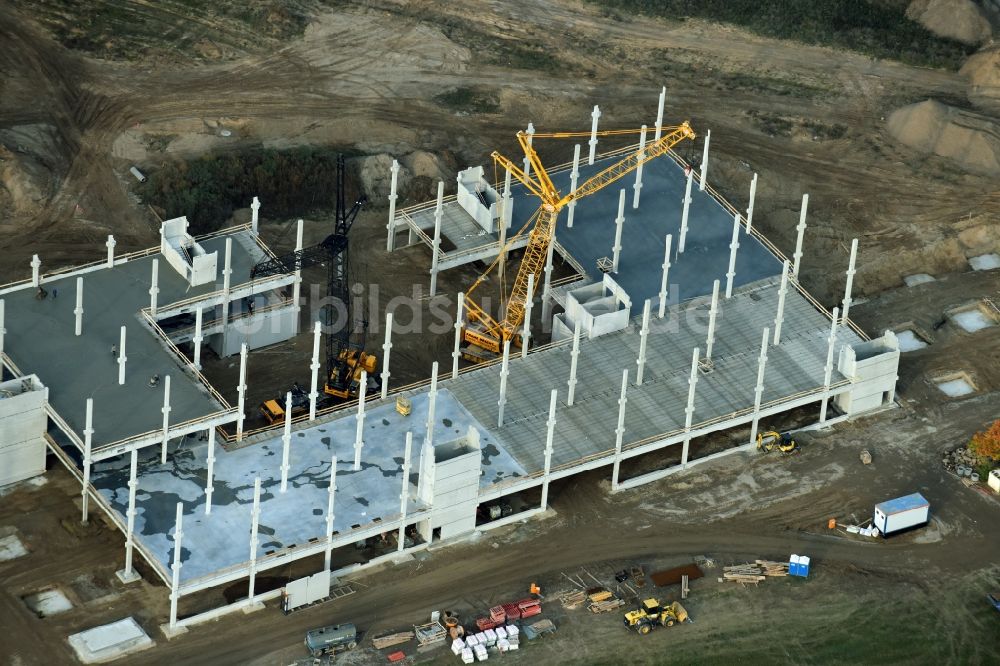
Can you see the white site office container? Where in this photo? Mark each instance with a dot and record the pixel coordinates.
(901, 513)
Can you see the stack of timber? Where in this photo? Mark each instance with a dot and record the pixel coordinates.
(573, 599)
(754, 573)
(606, 606)
(382, 642)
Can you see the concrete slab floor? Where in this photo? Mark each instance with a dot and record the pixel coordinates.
(299, 514)
(110, 641)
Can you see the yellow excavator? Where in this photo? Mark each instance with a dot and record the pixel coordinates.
(771, 440)
(651, 615)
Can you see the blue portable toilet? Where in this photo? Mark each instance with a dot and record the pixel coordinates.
(793, 565)
(804, 565)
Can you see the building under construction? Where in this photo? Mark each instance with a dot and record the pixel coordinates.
(679, 320)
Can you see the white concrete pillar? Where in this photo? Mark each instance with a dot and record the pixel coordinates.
(684, 212)
(154, 287)
(734, 245)
(404, 493)
(3, 331)
(574, 357)
(782, 290)
(241, 390)
(254, 524)
(111, 250)
(78, 311)
(507, 210)
(456, 353)
(550, 430)
(390, 243)
(643, 335)
(165, 410)
(436, 249)
(850, 280)
(504, 369)
(88, 440)
(713, 313)
(619, 431)
(828, 369)
(801, 228)
(286, 442)
(359, 431)
(594, 117)
(297, 285)
(314, 371)
(759, 388)
(227, 273)
(637, 187)
(659, 114)
(386, 349)
(121, 357)
(254, 215)
(36, 267)
(529, 301)
(619, 223)
(574, 175)
(547, 288)
(210, 472)
(704, 162)
(666, 273)
(753, 196)
(530, 132)
(689, 410)
(431, 404)
(331, 492)
(127, 573)
(198, 337)
(175, 588)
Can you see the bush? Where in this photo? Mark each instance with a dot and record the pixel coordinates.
(986, 444)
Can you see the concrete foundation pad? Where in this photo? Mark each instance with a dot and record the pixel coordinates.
(985, 262)
(172, 632)
(48, 602)
(918, 278)
(403, 558)
(128, 578)
(110, 641)
(11, 548)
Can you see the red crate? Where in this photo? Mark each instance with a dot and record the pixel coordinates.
(498, 614)
(529, 607)
(397, 656)
(512, 612)
(485, 623)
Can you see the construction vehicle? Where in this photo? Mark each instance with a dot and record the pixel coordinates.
(771, 440)
(331, 640)
(485, 335)
(651, 615)
(346, 359)
(274, 409)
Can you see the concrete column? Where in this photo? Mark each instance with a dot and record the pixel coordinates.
(88, 439)
(659, 115)
(78, 311)
(550, 429)
(504, 369)
(404, 493)
(286, 442)
(198, 322)
(689, 410)
(529, 301)
(390, 243)
(574, 356)
(165, 436)
(297, 285)
(753, 195)
(713, 313)
(527, 163)
(637, 187)
(121, 357)
(436, 249)
(456, 353)
(759, 389)
(666, 272)
(254, 523)
(210, 472)
(314, 370)
(574, 175)
(619, 431)
(3, 331)
(782, 290)
(127, 575)
(505, 218)
(36, 267)
(594, 117)
(643, 335)
(330, 494)
(547, 287)
(241, 390)
(227, 273)
(734, 245)
(619, 223)
(801, 228)
(254, 215)
(704, 162)
(175, 588)
(828, 369)
(154, 287)
(111, 250)
(431, 403)
(386, 349)
(850, 280)
(359, 431)
(685, 210)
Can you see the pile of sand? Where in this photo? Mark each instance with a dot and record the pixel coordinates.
(962, 20)
(376, 176)
(983, 72)
(971, 140)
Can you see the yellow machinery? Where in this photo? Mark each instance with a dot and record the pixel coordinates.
(488, 334)
(274, 409)
(650, 615)
(345, 375)
(769, 441)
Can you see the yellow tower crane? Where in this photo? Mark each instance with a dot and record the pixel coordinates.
(485, 332)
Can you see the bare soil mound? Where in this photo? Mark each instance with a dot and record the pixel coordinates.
(969, 139)
(983, 73)
(961, 20)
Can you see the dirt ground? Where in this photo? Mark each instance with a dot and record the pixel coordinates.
(365, 77)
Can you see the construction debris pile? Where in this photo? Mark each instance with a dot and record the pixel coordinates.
(754, 573)
(962, 462)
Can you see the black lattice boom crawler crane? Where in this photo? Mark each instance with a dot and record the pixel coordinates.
(345, 358)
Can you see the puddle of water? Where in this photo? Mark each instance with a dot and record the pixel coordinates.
(972, 320)
(985, 262)
(909, 341)
(956, 388)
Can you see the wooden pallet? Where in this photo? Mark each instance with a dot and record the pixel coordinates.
(573, 599)
(597, 595)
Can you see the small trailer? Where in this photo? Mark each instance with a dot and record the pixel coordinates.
(902, 513)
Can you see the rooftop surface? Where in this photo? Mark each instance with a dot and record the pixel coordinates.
(40, 339)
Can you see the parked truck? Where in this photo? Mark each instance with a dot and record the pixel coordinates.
(902, 513)
(332, 639)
